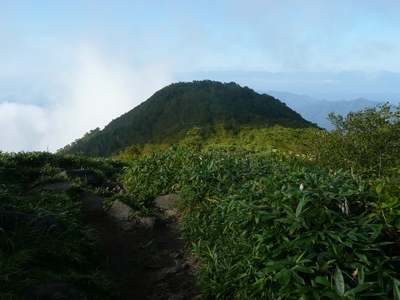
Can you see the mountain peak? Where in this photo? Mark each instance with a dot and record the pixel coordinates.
(177, 108)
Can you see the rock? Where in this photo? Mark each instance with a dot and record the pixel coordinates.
(146, 222)
(115, 187)
(91, 176)
(167, 272)
(166, 202)
(126, 225)
(56, 291)
(120, 210)
(72, 174)
(10, 220)
(151, 222)
(55, 187)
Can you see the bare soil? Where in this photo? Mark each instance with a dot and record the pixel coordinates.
(143, 263)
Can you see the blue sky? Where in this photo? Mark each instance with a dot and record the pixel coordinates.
(69, 66)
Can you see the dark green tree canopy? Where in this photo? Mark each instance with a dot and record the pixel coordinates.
(177, 108)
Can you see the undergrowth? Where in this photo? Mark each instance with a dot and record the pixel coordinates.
(262, 227)
(31, 254)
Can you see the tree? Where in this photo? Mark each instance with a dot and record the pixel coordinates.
(366, 141)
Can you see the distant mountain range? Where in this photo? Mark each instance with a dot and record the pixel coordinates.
(171, 112)
(317, 111)
(332, 86)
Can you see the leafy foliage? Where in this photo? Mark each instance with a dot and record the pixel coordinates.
(383, 201)
(262, 228)
(367, 141)
(315, 216)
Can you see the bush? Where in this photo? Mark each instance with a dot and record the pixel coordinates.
(366, 142)
(262, 228)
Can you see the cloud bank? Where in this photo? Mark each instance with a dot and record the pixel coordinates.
(67, 67)
(94, 90)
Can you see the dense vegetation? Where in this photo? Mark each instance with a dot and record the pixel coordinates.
(170, 113)
(279, 225)
(32, 255)
(263, 228)
(270, 212)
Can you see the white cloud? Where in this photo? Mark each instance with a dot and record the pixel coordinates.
(328, 81)
(137, 44)
(22, 127)
(96, 89)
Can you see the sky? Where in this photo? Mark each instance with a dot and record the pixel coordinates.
(70, 66)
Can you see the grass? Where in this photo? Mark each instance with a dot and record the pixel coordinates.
(263, 227)
(31, 255)
(261, 224)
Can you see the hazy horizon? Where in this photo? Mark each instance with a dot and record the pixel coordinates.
(69, 66)
(331, 86)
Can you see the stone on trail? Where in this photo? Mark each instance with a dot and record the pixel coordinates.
(88, 175)
(171, 271)
(120, 210)
(152, 223)
(55, 187)
(72, 174)
(166, 202)
(112, 186)
(126, 225)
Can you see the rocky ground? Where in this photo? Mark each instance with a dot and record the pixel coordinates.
(145, 261)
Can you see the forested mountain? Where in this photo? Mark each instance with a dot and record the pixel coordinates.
(172, 111)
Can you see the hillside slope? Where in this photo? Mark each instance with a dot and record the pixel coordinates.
(175, 109)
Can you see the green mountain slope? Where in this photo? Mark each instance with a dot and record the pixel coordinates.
(175, 109)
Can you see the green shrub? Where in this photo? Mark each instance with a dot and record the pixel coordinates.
(284, 243)
(156, 174)
(262, 228)
(383, 202)
(367, 142)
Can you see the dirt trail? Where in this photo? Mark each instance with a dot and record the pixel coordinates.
(144, 263)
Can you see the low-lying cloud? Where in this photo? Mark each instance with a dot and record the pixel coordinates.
(96, 89)
(22, 126)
